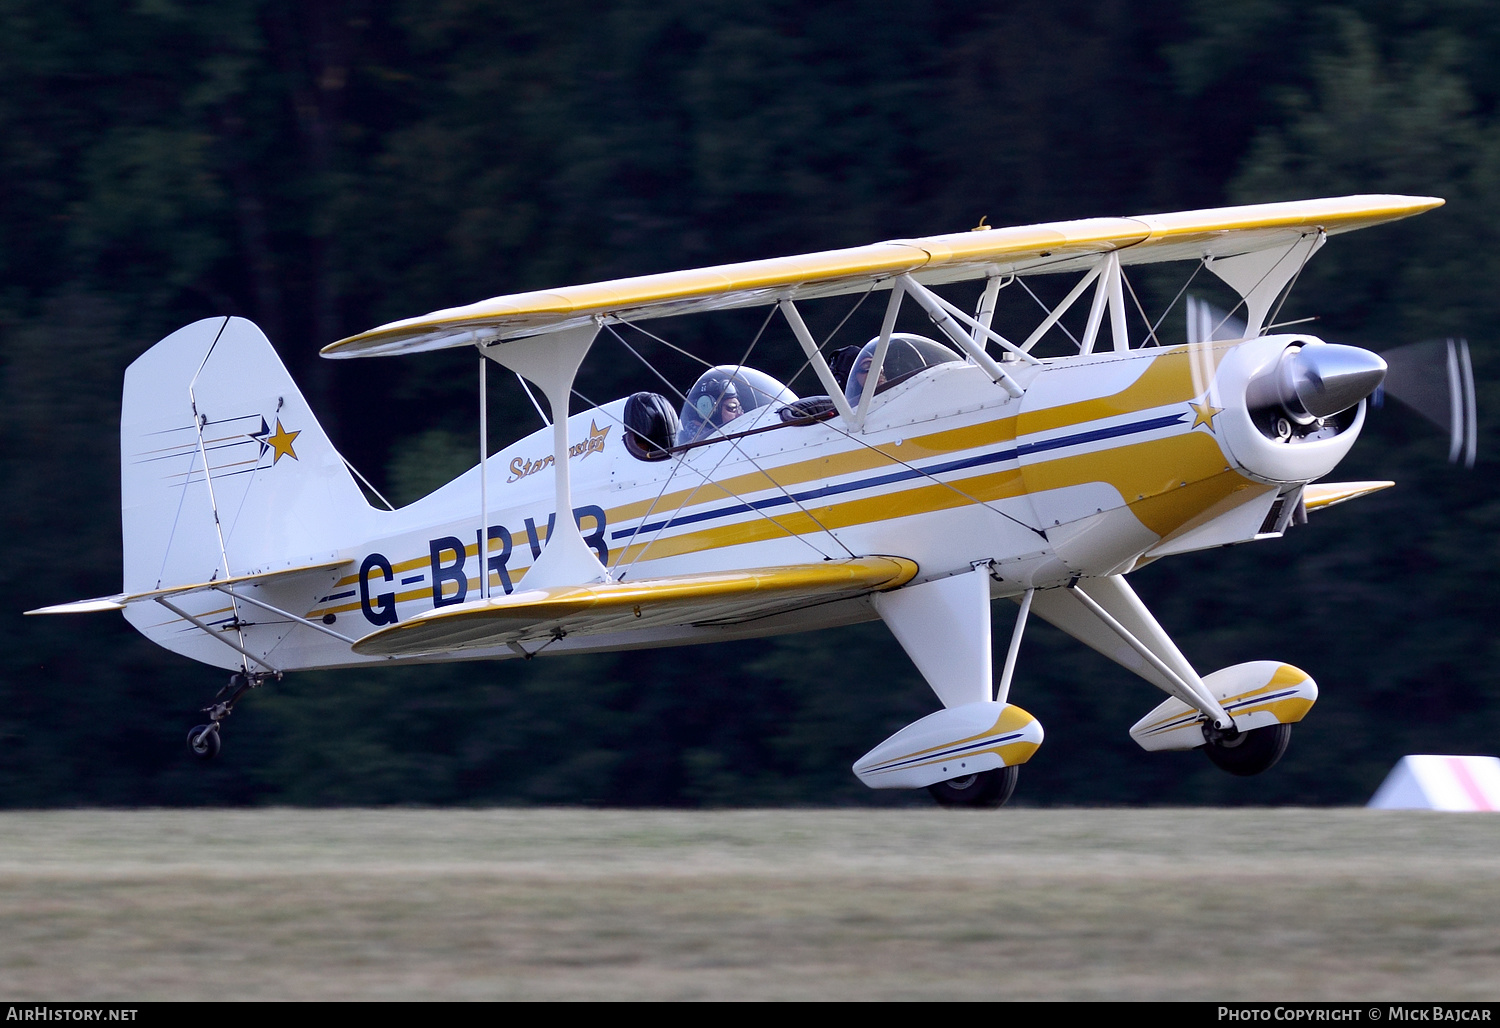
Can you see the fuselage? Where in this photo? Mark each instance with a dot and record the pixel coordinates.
(1105, 462)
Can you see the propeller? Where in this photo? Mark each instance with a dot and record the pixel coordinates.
(1435, 377)
(1206, 322)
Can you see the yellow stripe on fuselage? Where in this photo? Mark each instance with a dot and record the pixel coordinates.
(1176, 376)
(860, 458)
(921, 499)
(1166, 481)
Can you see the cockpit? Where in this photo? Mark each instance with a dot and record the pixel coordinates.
(906, 356)
(732, 399)
(728, 394)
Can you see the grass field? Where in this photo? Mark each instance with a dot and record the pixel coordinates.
(768, 904)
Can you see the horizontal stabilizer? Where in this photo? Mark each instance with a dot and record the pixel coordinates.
(718, 597)
(1329, 494)
(119, 600)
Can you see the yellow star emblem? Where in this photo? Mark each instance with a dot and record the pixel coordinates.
(597, 437)
(1203, 414)
(281, 441)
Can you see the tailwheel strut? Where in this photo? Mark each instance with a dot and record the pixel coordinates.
(203, 741)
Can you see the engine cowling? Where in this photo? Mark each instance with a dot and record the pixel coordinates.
(1294, 404)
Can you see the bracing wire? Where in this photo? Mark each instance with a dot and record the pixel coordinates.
(659, 339)
(1285, 293)
(649, 366)
(1200, 266)
(1150, 329)
(1058, 324)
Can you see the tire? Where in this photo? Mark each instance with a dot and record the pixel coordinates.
(208, 747)
(1249, 753)
(983, 791)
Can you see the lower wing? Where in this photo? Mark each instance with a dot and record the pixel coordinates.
(717, 597)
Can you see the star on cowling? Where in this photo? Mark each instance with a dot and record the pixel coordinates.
(1203, 413)
(281, 440)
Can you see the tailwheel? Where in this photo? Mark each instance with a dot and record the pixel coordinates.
(985, 790)
(204, 741)
(1247, 753)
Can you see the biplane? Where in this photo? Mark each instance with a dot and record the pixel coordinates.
(943, 465)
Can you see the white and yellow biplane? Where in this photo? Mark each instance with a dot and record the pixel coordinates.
(941, 469)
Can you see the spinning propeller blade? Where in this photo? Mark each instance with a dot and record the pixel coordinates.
(1206, 322)
(1435, 378)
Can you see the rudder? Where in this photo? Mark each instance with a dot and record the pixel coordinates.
(276, 490)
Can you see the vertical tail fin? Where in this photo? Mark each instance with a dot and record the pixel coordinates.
(223, 468)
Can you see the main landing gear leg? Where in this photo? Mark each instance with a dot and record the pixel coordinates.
(203, 741)
(944, 626)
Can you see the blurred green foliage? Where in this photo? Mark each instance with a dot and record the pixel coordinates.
(328, 165)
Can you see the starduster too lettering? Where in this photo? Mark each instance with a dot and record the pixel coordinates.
(949, 466)
(520, 467)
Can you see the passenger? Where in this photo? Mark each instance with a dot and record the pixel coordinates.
(860, 373)
(729, 406)
(716, 402)
(908, 355)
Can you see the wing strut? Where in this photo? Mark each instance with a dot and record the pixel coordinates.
(815, 357)
(877, 361)
(1260, 276)
(1002, 691)
(1193, 693)
(939, 309)
(551, 362)
(1061, 309)
(985, 312)
(484, 481)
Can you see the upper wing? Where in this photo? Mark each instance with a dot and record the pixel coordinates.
(714, 597)
(119, 600)
(1025, 250)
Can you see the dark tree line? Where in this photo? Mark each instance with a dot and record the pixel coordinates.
(321, 167)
